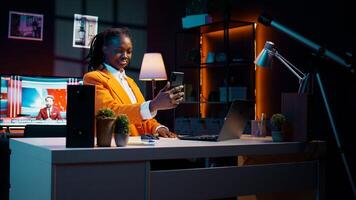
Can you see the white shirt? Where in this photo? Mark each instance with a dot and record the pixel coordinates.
(49, 110)
(145, 106)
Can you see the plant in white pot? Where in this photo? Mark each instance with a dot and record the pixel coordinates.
(105, 119)
(277, 122)
(121, 130)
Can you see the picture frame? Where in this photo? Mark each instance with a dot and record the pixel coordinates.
(85, 27)
(25, 26)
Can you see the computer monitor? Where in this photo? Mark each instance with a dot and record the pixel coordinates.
(22, 98)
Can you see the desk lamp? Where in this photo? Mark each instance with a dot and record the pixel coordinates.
(152, 69)
(265, 58)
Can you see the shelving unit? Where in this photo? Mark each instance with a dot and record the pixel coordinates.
(212, 84)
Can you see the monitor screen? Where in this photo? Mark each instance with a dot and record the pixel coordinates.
(34, 99)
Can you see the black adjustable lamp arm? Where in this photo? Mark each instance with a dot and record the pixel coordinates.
(299, 74)
(303, 78)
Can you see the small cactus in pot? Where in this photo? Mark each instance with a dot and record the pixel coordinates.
(121, 130)
(277, 122)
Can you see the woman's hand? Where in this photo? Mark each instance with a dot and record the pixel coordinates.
(167, 98)
(164, 132)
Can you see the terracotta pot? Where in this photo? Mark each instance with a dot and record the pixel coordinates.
(104, 130)
(121, 139)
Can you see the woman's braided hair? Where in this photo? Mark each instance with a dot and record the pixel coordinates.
(96, 55)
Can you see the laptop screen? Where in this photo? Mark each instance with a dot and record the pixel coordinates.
(236, 120)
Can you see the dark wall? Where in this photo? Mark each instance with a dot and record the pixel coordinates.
(328, 24)
(27, 56)
(163, 20)
(55, 55)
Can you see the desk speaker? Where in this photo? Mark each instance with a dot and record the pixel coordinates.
(80, 116)
(304, 115)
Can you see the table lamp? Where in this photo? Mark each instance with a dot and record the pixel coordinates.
(152, 69)
(265, 59)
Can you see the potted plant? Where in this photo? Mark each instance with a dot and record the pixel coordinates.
(105, 119)
(121, 130)
(277, 122)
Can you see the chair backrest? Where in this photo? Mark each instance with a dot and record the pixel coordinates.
(182, 126)
(36, 130)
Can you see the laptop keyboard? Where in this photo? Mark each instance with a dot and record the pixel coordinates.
(199, 137)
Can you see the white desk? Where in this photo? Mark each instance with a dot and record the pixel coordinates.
(42, 168)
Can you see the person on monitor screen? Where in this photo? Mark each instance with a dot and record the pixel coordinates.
(109, 55)
(49, 112)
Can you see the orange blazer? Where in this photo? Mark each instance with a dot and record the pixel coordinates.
(110, 94)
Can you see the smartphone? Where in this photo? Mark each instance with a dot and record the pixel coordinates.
(176, 79)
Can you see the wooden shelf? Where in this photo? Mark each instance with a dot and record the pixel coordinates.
(216, 65)
(216, 26)
(233, 39)
(213, 102)
(205, 102)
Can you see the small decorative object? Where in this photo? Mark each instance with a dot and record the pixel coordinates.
(196, 20)
(121, 130)
(210, 57)
(221, 57)
(277, 121)
(196, 14)
(105, 119)
(25, 26)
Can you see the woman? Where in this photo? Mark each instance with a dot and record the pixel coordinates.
(110, 53)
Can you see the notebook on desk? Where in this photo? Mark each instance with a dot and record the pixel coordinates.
(239, 113)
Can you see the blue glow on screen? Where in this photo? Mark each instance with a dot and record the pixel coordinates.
(30, 97)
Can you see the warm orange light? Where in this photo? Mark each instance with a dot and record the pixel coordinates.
(263, 77)
(209, 42)
(206, 87)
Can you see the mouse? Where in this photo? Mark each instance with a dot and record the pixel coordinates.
(149, 137)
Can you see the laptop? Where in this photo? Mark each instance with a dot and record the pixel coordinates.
(234, 124)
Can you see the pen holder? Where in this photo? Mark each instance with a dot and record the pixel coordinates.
(258, 128)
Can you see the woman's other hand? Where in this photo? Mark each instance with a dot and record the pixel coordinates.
(164, 132)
